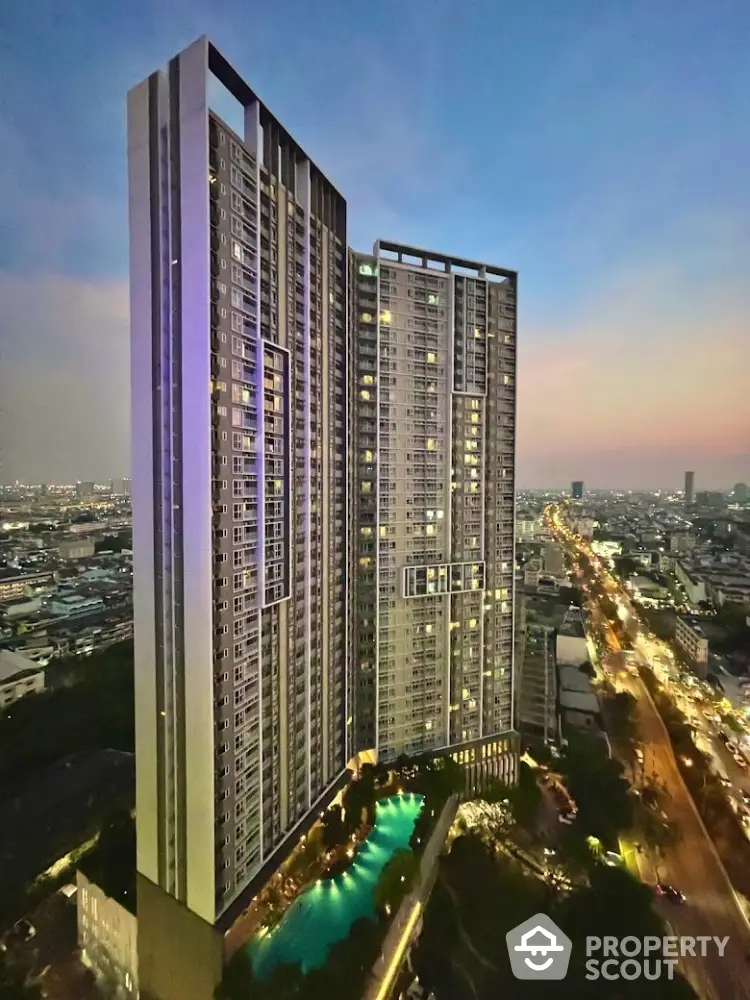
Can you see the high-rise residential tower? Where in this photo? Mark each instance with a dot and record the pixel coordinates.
(433, 376)
(689, 489)
(239, 402)
(576, 489)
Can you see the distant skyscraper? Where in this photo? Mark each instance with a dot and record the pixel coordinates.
(689, 488)
(576, 489)
(84, 489)
(239, 402)
(740, 493)
(433, 371)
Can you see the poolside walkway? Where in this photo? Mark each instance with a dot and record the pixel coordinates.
(408, 918)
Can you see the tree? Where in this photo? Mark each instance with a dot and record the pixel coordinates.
(13, 983)
(732, 723)
(621, 719)
(96, 713)
(626, 566)
(396, 880)
(598, 787)
(334, 830)
(112, 864)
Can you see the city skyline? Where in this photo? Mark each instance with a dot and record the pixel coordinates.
(614, 214)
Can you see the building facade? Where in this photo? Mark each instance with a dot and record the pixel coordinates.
(240, 522)
(433, 372)
(576, 489)
(19, 677)
(691, 638)
(108, 939)
(689, 488)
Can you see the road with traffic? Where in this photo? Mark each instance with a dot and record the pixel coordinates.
(692, 865)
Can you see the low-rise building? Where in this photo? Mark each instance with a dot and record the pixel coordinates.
(77, 548)
(108, 939)
(18, 677)
(74, 604)
(20, 582)
(695, 586)
(691, 638)
(570, 642)
(531, 572)
(553, 561)
(584, 526)
(681, 541)
(526, 529)
(578, 704)
(20, 607)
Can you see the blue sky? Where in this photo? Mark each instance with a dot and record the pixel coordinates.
(599, 148)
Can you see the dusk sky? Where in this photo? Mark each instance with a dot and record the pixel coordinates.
(600, 148)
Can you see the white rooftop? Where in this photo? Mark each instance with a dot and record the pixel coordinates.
(12, 664)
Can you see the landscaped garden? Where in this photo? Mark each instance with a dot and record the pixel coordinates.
(326, 913)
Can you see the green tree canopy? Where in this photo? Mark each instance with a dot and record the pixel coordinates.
(396, 880)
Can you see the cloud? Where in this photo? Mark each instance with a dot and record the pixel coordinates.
(64, 378)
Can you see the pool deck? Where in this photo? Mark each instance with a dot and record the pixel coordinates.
(326, 910)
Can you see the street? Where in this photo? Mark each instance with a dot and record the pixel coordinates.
(692, 865)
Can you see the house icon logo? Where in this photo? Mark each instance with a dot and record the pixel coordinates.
(538, 949)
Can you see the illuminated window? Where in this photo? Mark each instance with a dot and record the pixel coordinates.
(364, 394)
(475, 418)
(366, 531)
(368, 380)
(506, 379)
(365, 562)
(472, 623)
(428, 628)
(506, 338)
(370, 270)
(475, 404)
(431, 357)
(368, 455)
(366, 317)
(385, 317)
(430, 444)
(365, 487)
(433, 300)
(430, 529)
(383, 531)
(477, 333)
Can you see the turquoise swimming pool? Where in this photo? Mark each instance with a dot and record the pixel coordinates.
(326, 910)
